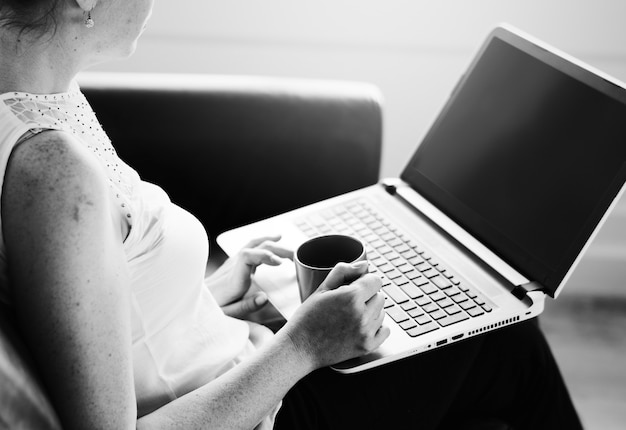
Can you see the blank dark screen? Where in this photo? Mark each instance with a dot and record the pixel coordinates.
(524, 154)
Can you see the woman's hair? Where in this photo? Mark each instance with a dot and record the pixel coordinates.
(29, 16)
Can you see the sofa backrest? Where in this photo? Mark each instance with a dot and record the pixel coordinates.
(233, 150)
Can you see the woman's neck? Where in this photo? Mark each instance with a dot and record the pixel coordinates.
(31, 66)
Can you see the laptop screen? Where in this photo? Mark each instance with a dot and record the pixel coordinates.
(527, 155)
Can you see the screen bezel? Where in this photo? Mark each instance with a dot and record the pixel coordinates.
(517, 257)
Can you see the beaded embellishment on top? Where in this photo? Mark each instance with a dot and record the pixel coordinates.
(72, 113)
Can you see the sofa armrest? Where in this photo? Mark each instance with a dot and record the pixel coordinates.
(233, 150)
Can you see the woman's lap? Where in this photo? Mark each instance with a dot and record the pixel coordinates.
(509, 374)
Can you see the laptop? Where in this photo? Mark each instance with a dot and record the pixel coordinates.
(492, 212)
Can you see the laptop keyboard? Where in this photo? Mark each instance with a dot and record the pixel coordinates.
(421, 294)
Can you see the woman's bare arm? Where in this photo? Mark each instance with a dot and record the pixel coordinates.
(69, 278)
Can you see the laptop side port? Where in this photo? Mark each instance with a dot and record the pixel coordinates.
(457, 337)
(442, 342)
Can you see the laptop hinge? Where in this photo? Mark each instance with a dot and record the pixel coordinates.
(390, 188)
(521, 291)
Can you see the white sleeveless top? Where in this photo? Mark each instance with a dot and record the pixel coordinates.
(181, 338)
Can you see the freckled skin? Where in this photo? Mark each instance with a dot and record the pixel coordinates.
(55, 196)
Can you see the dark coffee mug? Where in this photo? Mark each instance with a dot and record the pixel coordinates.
(316, 257)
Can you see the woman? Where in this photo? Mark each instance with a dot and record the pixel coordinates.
(106, 277)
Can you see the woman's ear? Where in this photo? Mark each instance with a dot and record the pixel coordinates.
(86, 5)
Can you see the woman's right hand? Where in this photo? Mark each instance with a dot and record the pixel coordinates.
(342, 319)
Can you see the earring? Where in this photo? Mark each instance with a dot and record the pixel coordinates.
(88, 21)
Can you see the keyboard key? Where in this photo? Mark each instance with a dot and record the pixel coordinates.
(429, 288)
(412, 291)
(423, 319)
(422, 329)
(380, 230)
(430, 307)
(360, 228)
(486, 307)
(452, 291)
(402, 247)
(387, 237)
(393, 274)
(370, 238)
(377, 244)
(412, 274)
(352, 222)
(438, 314)
(437, 296)
(386, 267)
(384, 250)
(397, 314)
(441, 282)
(368, 219)
(316, 220)
(409, 253)
(301, 224)
(402, 280)
(430, 273)
(460, 298)
(445, 302)
(407, 306)
(416, 312)
(422, 266)
(405, 268)
(467, 305)
(394, 242)
(378, 261)
(396, 294)
(408, 324)
(454, 309)
(452, 319)
(421, 281)
(423, 301)
(412, 244)
(479, 301)
(475, 311)
(394, 258)
(416, 259)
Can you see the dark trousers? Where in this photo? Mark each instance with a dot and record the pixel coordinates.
(508, 375)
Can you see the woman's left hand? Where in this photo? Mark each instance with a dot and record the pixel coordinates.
(232, 280)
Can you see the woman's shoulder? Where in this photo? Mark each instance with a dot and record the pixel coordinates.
(52, 168)
(54, 154)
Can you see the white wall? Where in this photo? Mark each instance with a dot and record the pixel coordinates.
(414, 50)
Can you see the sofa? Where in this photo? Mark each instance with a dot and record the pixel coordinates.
(231, 150)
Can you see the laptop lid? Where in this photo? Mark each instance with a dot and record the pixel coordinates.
(527, 155)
